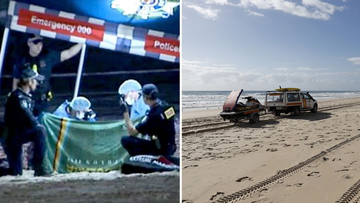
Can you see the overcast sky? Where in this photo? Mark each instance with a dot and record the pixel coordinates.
(261, 44)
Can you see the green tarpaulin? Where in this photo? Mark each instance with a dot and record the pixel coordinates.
(75, 146)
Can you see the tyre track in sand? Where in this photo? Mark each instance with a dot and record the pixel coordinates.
(282, 174)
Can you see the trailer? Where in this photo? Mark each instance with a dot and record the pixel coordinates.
(235, 110)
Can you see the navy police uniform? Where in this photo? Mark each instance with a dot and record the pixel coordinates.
(23, 127)
(159, 122)
(42, 64)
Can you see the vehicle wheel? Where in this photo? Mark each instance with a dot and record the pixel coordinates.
(256, 118)
(315, 109)
(297, 111)
(277, 113)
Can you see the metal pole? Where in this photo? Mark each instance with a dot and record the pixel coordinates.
(3, 49)
(80, 68)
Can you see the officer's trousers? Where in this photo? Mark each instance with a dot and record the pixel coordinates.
(136, 146)
(14, 144)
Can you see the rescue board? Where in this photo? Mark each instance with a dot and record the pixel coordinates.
(288, 89)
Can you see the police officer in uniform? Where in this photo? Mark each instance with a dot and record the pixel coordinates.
(23, 126)
(42, 61)
(158, 124)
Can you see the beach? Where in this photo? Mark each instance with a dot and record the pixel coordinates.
(112, 187)
(313, 157)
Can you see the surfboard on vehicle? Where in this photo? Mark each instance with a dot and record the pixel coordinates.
(287, 89)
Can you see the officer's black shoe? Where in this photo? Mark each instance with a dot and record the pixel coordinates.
(40, 171)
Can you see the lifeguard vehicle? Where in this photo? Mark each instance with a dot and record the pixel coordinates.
(234, 110)
(286, 100)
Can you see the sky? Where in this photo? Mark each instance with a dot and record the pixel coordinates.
(263, 44)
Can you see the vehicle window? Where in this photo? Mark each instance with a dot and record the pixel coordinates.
(293, 97)
(275, 97)
(306, 96)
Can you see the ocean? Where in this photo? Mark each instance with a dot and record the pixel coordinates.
(194, 100)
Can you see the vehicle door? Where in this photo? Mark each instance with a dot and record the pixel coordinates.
(307, 101)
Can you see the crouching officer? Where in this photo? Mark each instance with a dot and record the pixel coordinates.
(158, 124)
(23, 126)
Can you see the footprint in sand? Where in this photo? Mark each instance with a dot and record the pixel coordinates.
(347, 176)
(216, 195)
(286, 145)
(244, 179)
(341, 170)
(271, 149)
(349, 152)
(314, 174)
(263, 192)
(191, 166)
(298, 184)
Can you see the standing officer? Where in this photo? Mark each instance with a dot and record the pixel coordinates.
(23, 126)
(42, 61)
(158, 124)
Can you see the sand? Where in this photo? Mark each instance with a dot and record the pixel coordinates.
(84, 187)
(218, 163)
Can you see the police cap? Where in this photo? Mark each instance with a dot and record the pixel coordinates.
(29, 73)
(150, 90)
(34, 38)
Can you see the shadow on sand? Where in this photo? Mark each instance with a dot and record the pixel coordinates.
(261, 124)
(307, 116)
(274, 120)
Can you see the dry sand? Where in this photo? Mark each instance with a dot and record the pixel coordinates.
(220, 162)
(157, 187)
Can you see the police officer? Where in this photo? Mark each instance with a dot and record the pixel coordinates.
(23, 126)
(42, 61)
(158, 124)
